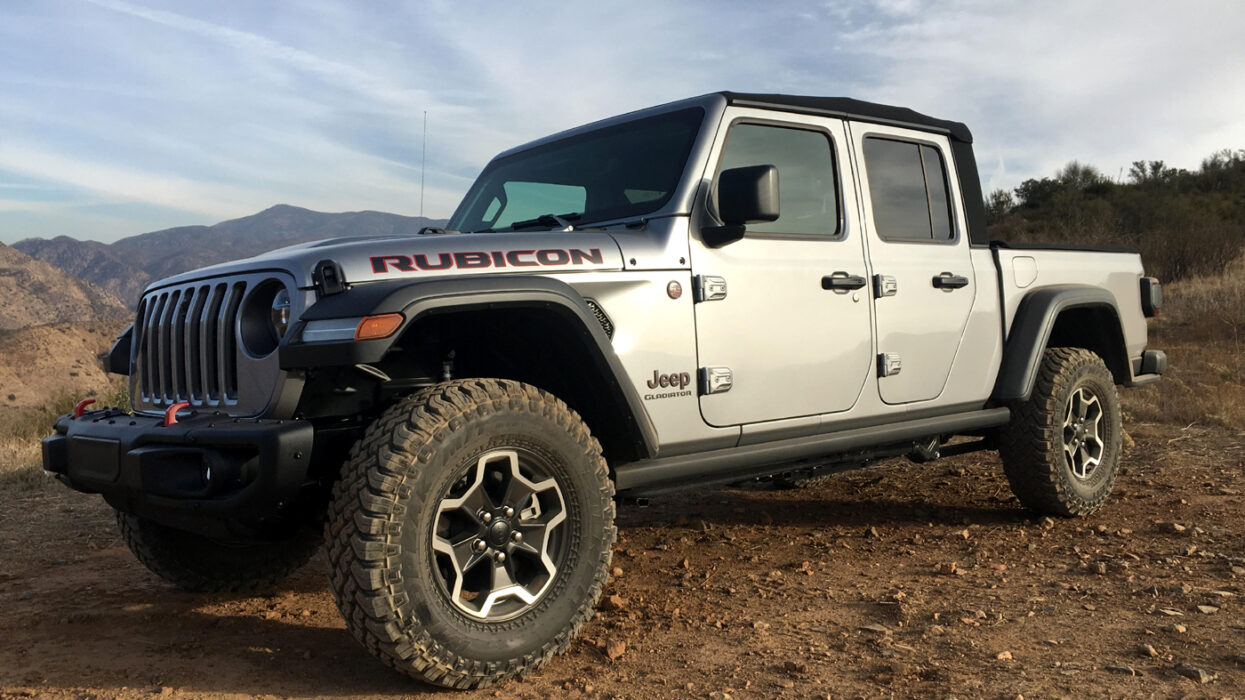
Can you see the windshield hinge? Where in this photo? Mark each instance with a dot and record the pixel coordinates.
(328, 278)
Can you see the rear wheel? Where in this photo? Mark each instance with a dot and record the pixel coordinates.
(470, 534)
(1061, 450)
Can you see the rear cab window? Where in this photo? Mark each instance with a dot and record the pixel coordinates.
(908, 190)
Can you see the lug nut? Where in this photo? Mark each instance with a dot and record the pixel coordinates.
(499, 557)
(486, 517)
(509, 512)
(479, 545)
(517, 537)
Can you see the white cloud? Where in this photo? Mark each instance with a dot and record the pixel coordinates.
(216, 110)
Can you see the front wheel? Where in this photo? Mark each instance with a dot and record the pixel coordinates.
(469, 536)
(195, 563)
(1061, 449)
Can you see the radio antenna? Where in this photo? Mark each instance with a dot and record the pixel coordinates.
(423, 160)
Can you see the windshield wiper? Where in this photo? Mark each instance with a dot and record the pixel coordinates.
(550, 220)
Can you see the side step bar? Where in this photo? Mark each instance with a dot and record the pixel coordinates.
(738, 463)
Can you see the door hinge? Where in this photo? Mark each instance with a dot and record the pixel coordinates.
(715, 380)
(885, 286)
(889, 364)
(710, 288)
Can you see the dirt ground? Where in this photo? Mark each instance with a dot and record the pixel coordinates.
(901, 580)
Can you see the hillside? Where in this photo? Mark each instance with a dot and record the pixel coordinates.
(45, 361)
(126, 266)
(1185, 223)
(34, 293)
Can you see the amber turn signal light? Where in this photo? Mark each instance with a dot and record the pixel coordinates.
(378, 326)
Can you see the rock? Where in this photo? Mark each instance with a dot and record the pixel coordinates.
(948, 568)
(615, 602)
(1194, 673)
(1121, 668)
(965, 534)
(758, 625)
(166, 690)
(872, 532)
(1207, 609)
(1172, 528)
(615, 649)
(1147, 650)
(1178, 629)
(616, 571)
(1047, 523)
(1003, 656)
(880, 629)
(1100, 568)
(1170, 612)
(1100, 529)
(26, 596)
(795, 666)
(1239, 570)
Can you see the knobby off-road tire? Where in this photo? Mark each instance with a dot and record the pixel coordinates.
(433, 493)
(1061, 450)
(195, 563)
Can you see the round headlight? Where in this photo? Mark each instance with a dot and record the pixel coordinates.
(281, 312)
(264, 317)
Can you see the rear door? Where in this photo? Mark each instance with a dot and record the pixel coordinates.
(923, 285)
(791, 343)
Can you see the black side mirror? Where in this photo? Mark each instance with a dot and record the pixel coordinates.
(746, 195)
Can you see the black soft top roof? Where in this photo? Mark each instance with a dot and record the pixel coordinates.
(855, 109)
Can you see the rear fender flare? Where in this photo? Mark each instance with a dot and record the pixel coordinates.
(1031, 332)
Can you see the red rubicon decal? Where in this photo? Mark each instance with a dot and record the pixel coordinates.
(547, 257)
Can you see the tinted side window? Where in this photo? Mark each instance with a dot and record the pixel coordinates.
(807, 189)
(908, 188)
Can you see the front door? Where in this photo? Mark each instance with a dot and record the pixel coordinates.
(790, 342)
(919, 251)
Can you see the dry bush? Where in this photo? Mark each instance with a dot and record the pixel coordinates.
(21, 462)
(1202, 330)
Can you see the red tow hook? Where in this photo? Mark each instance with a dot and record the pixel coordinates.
(80, 408)
(170, 413)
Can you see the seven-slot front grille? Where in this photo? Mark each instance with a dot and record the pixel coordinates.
(187, 349)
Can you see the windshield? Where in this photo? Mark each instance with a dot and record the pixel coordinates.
(620, 171)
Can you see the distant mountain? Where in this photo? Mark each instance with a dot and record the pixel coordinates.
(34, 293)
(125, 267)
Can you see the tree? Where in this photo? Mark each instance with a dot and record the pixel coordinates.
(999, 204)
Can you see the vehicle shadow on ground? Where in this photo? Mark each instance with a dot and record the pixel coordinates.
(749, 507)
(144, 635)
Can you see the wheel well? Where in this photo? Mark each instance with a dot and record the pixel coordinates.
(1097, 329)
(534, 345)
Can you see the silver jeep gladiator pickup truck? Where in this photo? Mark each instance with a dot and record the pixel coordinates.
(730, 287)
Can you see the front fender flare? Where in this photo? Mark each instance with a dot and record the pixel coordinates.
(418, 299)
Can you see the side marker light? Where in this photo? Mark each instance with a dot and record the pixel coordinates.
(378, 326)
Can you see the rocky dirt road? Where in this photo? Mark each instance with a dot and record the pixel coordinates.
(904, 580)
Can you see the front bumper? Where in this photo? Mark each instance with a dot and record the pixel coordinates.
(209, 473)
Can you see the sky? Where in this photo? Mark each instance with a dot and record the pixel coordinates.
(119, 117)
